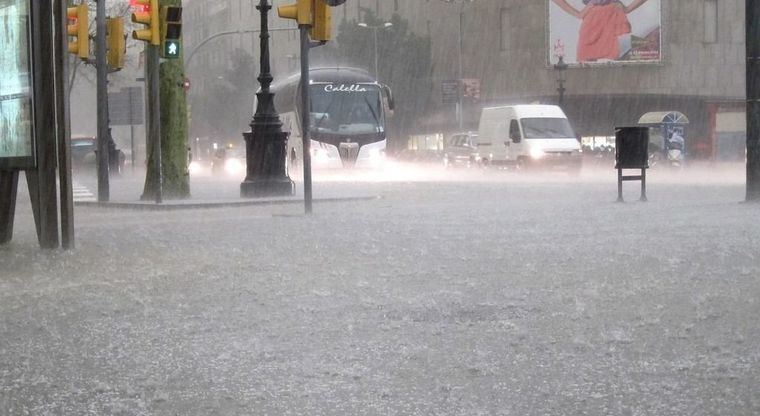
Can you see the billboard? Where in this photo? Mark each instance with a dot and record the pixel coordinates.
(15, 81)
(598, 32)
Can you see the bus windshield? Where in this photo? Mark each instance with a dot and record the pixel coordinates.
(346, 109)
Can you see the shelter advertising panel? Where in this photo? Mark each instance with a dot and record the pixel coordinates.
(598, 32)
(16, 116)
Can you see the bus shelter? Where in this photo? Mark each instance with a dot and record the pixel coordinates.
(666, 130)
(34, 118)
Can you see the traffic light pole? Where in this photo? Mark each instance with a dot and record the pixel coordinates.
(154, 116)
(306, 119)
(104, 136)
(753, 99)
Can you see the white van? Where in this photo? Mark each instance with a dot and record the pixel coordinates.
(527, 135)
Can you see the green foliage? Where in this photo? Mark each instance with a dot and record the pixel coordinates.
(404, 63)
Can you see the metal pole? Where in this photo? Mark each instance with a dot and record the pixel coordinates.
(753, 99)
(64, 125)
(620, 185)
(377, 75)
(154, 103)
(102, 87)
(460, 105)
(305, 119)
(132, 127)
(643, 197)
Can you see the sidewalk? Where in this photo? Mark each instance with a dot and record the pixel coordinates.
(205, 192)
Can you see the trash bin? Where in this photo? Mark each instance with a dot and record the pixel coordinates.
(632, 148)
(632, 152)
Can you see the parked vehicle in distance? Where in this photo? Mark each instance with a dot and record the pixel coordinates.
(83, 150)
(460, 149)
(527, 136)
(83, 154)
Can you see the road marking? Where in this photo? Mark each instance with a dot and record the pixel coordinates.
(81, 193)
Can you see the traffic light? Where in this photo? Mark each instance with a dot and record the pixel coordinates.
(314, 13)
(79, 30)
(149, 18)
(321, 30)
(171, 31)
(117, 45)
(299, 11)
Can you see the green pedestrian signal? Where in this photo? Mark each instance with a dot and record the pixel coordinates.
(172, 49)
(171, 31)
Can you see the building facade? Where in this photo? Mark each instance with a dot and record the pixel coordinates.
(508, 47)
(507, 51)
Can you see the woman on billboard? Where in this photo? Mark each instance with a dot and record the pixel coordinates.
(602, 24)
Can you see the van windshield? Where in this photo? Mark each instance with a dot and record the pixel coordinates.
(547, 128)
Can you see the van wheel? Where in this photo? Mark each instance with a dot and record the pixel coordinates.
(483, 163)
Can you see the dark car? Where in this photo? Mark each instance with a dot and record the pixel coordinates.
(83, 151)
(83, 155)
(460, 149)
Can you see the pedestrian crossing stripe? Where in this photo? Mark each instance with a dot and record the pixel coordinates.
(82, 194)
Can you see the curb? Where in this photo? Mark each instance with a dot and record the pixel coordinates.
(179, 205)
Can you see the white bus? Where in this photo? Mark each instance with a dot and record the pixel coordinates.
(349, 109)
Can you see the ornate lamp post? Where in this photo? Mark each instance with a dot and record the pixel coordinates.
(561, 67)
(375, 29)
(266, 143)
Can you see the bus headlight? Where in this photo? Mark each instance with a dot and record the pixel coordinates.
(536, 153)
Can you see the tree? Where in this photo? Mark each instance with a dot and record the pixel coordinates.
(405, 64)
(174, 129)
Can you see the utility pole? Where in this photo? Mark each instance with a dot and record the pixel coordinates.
(104, 136)
(753, 99)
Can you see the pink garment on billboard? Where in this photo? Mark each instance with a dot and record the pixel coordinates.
(600, 29)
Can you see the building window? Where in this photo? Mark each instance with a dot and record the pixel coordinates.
(504, 29)
(711, 21)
